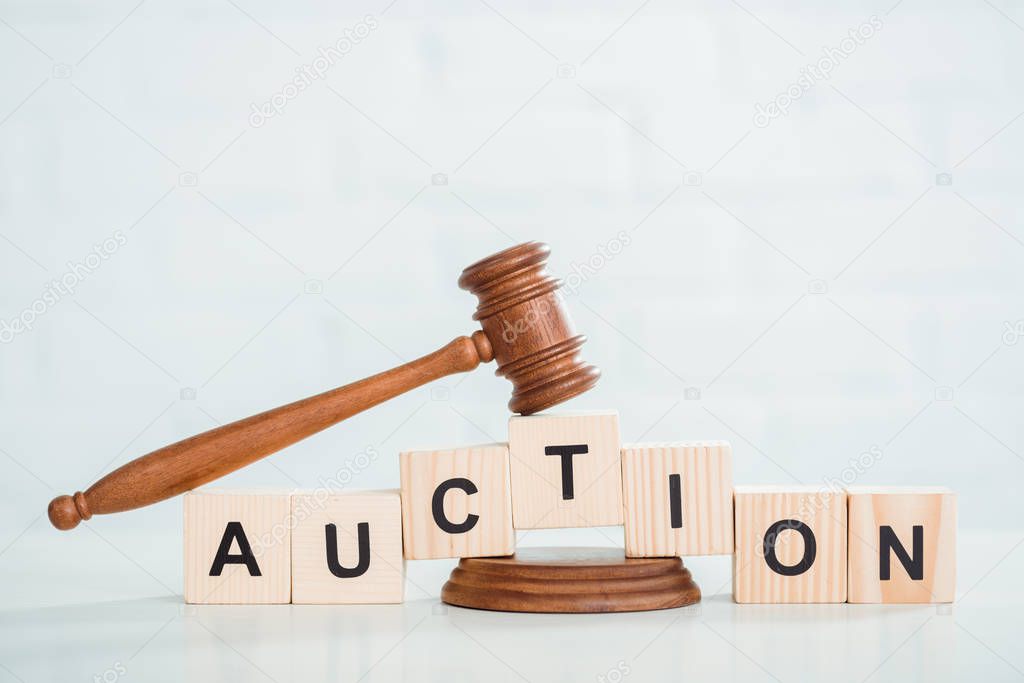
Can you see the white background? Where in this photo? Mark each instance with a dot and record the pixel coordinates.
(813, 284)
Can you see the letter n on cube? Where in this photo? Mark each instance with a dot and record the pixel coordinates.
(902, 544)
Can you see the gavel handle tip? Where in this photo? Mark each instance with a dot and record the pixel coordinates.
(199, 459)
(64, 513)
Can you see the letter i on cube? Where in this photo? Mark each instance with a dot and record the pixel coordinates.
(677, 498)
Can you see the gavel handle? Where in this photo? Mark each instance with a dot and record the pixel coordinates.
(195, 461)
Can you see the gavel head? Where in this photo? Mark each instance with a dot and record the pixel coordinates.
(529, 328)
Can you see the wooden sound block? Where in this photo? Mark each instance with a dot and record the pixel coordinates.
(566, 470)
(237, 547)
(457, 503)
(347, 547)
(677, 498)
(902, 544)
(570, 580)
(790, 544)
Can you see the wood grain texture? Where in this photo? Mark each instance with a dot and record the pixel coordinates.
(529, 327)
(901, 509)
(200, 459)
(526, 327)
(704, 469)
(568, 580)
(822, 512)
(486, 466)
(263, 516)
(313, 582)
(537, 486)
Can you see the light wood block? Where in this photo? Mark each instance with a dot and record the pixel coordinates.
(457, 503)
(677, 498)
(804, 558)
(347, 547)
(902, 544)
(566, 470)
(237, 547)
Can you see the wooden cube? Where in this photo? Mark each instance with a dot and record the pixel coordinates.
(566, 470)
(902, 544)
(790, 544)
(347, 547)
(677, 498)
(237, 547)
(457, 503)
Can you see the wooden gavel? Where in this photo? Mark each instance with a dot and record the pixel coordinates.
(525, 328)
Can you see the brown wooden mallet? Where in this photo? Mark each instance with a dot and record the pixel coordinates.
(525, 328)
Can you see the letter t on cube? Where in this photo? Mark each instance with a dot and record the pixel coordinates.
(566, 470)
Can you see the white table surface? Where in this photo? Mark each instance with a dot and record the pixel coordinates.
(72, 611)
(844, 279)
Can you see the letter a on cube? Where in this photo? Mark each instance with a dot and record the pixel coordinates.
(457, 503)
(790, 544)
(902, 544)
(566, 470)
(347, 547)
(237, 547)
